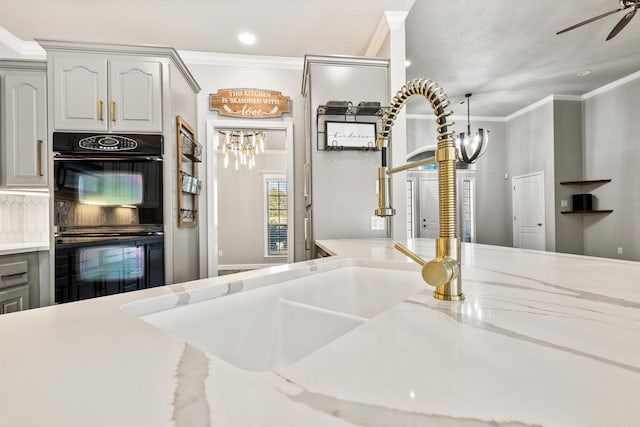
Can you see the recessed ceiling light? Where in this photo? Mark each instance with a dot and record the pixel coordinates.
(407, 63)
(246, 38)
(583, 73)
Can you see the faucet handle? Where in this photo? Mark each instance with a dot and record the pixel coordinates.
(410, 254)
(436, 272)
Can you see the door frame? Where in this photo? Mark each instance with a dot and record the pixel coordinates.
(212, 180)
(543, 207)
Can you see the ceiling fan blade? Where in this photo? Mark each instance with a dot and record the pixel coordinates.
(622, 23)
(595, 18)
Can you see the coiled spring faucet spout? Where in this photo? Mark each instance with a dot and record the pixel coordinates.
(444, 271)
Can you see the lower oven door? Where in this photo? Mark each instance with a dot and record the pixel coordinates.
(106, 266)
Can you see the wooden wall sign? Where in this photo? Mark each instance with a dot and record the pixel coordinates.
(249, 103)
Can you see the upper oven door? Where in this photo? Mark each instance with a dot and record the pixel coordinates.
(93, 191)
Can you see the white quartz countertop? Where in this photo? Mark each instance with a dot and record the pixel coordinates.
(17, 248)
(541, 339)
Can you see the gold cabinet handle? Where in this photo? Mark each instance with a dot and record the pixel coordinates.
(113, 111)
(100, 110)
(40, 143)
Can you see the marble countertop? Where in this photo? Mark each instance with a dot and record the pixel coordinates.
(17, 248)
(541, 339)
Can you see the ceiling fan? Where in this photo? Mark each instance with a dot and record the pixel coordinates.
(634, 5)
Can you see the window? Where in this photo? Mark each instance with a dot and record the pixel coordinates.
(276, 215)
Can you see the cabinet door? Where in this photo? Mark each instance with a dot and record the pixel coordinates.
(155, 264)
(135, 96)
(14, 299)
(25, 129)
(80, 93)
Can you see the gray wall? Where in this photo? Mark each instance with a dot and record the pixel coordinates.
(567, 121)
(529, 149)
(214, 77)
(242, 213)
(492, 209)
(612, 150)
(184, 249)
(343, 183)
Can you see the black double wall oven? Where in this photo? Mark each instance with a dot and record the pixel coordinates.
(108, 214)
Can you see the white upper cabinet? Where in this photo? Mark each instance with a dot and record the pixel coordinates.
(136, 96)
(25, 129)
(107, 95)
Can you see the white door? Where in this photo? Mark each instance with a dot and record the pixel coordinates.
(528, 211)
(429, 212)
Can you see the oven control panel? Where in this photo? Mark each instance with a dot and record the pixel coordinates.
(108, 143)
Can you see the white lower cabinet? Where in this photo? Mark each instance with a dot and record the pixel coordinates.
(24, 134)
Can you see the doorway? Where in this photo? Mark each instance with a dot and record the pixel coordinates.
(429, 213)
(226, 203)
(528, 211)
(428, 207)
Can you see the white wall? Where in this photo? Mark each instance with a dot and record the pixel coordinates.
(285, 78)
(242, 202)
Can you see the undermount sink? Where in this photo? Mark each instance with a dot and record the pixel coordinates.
(282, 321)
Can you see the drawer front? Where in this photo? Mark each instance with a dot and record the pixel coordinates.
(13, 274)
(14, 299)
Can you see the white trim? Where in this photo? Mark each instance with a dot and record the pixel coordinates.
(238, 60)
(23, 48)
(454, 117)
(379, 36)
(530, 107)
(542, 102)
(246, 267)
(212, 178)
(567, 98)
(614, 84)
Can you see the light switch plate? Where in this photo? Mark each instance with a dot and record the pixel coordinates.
(377, 223)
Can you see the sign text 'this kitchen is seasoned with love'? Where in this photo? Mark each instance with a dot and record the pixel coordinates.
(249, 103)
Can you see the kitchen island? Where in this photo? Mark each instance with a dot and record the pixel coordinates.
(541, 339)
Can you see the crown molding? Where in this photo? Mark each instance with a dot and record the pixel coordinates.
(122, 49)
(614, 84)
(27, 49)
(455, 117)
(23, 64)
(237, 60)
(543, 101)
(338, 60)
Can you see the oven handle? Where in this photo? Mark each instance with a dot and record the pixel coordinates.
(96, 158)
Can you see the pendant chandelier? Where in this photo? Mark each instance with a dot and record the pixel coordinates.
(242, 145)
(469, 146)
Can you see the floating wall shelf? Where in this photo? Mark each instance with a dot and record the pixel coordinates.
(587, 212)
(592, 181)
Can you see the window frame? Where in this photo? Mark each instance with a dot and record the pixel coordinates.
(267, 178)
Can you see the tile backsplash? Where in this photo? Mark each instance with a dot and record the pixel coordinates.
(24, 218)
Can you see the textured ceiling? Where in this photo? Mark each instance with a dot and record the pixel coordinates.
(505, 52)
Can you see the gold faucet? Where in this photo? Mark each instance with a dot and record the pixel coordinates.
(444, 271)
